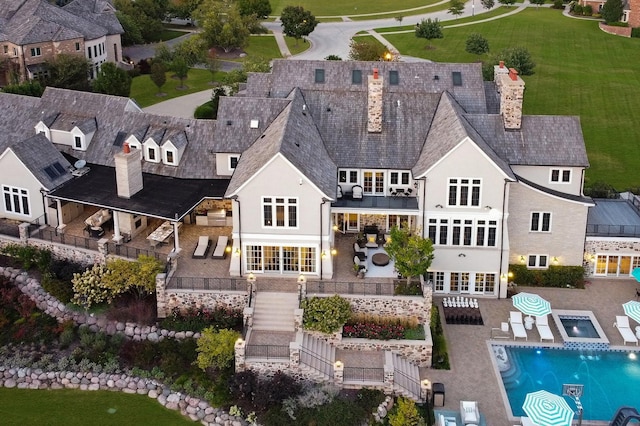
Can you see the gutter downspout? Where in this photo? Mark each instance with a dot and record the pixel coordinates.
(324, 200)
(504, 201)
(235, 198)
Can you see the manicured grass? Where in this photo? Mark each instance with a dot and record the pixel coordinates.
(144, 91)
(261, 46)
(579, 70)
(71, 407)
(490, 14)
(427, 9)
(353, 7)
(294, 47)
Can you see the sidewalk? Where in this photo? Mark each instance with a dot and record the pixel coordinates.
(182, 107)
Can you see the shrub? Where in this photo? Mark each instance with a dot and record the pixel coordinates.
(88, 288)
(216, 348)
(64, 269)
(587, 10)
(405, 413)
(204, 111)
(577, 9)
(635, 32)
(518, 58)
(274, 390)
(243, 385)
(477, 44)
(197, 319)
(326, 314)
(558, 4)
(402, 288)
(29, 256)
(61, 290)
(440, 354)
(555, 276)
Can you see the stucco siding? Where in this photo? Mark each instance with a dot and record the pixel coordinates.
(542, 176)
(565, 240)
(15, 174)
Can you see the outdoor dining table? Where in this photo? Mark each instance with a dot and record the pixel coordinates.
(161, 233)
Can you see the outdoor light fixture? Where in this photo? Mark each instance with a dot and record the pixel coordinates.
(488, 207)
(522, 259)
(438, 206)
(555, 260)
(237, 252)
(510, 274)
(462, 255)
(334, 252)
(251, 278)
(302, 279)
(323, 254)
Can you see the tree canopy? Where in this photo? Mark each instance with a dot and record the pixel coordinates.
(222, 25)
(112, 80)
(68, 72)
(477, 44)
(456, 7)
(261, 8)
(518, 58)
(429, 29)
(612, 11)
(488, 4)
(366, 51)
(411, 253)
(297, 22)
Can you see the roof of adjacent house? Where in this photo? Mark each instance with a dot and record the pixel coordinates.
(35, 21)
(46, 163)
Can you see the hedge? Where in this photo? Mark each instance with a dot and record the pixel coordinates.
(555, 276)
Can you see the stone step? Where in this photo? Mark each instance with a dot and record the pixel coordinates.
(274, 311)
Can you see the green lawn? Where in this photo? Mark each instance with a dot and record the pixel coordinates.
(354, 7)
(144, 91)
(580, 71)
(71, 407)
(263, 46)
(296, 46)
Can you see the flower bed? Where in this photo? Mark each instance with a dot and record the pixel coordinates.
(373, 331)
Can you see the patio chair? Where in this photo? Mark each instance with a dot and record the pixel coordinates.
(356, 192)
(469, 413)
(220, 252)
(360, 251)
(622, 324)
(372, 241)
(517, 327)
(339, 192)
(202, 247)
(542, 325)
(361, 264)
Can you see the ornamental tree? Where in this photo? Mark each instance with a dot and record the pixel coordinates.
(429, 29)
(216, 348)
(112, 80)
(488, 4)
(366, 51)
(612, 11)
(297, 22)
(456, 7)
(411, 253)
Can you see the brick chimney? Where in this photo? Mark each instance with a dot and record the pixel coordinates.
(511, 88)
(374, 103)
(128, 171)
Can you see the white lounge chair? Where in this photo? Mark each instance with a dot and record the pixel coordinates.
(469, 413)
(339, 192)
(202, 248)
(517, 327)
(622, 324)
(220, 252)
(372, 241)
(542, 325)
(356, 192)
(526, 421)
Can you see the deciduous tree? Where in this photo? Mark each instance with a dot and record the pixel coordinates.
(297, 22)
(429, 29)
(69, 72)
(538, 3)
(261, 8)
(222, 25)
(158, 75)
(366, 51)
(507, 2)
(411, 253)
(456, 7)
(112, 80)
(518, 58)
(612, 11)
(488, 4)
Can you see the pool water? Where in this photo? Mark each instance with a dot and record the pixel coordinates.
(611, 378)
(579, 328)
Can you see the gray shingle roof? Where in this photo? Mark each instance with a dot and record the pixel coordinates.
(543, 140)
(98, 12)
(563, 195)
(37, 154)
(15, 125)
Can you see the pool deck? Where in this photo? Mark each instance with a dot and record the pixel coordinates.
(472, 376)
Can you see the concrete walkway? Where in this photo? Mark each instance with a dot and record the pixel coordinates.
(182, 107)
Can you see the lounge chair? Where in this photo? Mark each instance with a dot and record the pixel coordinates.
(356, 193)
(469, 413)
(361, 263)
(542, 325)
(202, 248)
(526, 421)
(445, 421)
(360, 251)
(220, 251)
(622, 324)
(339, 192)
(517, 327)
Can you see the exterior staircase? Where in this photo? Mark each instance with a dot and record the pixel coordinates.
(317, 357)
(406, 377)
(274, 311)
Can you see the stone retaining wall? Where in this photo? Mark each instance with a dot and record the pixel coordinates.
(196, 409)
(395, 306)
(53, 307)
(417, 351)
(188, 299)
(59, 251)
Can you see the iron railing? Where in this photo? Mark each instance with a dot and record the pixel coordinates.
(207, 283)
(132, 252)
(267, 351)
(359, 287)
(408, 383)
(316, 362)
(51, 235)
(613, 231)
(363, 374)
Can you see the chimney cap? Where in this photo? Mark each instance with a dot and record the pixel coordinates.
(375, 73)
(501, 64)
(126, 148)
(513, 74)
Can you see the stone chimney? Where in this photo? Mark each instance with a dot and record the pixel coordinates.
(511, 88)
(374, 103)
(128, 171)
(499, 70)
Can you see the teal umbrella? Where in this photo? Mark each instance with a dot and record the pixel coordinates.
(636, 274)
(632, 310)
(546, 409)
(531, 304)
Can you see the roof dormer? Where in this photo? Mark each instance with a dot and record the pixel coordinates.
(133, 142)
(173, 148)
(151, 151)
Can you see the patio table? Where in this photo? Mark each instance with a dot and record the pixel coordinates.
(162, 233)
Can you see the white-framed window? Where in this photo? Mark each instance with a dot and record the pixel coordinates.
(464, 192)
(77, 142)
(233, 161)
(35, 51)
(463, 232)
(279, 212)
(348, 176)
(77, 46)
(281, 259)
(437, 278)
(399, 178)
(454, 282)
(540, 222)
(485, 283)
(16, 200)
(538, 261)
(373, 182)
(170, 157)
(560, 176)
(152, 154)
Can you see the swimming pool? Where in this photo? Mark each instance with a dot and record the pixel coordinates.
(611, 378)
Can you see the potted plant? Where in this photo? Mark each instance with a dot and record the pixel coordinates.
(361, 239)
(361, 272)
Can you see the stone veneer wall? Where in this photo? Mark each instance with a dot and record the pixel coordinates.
(60, 251)
(374, 103)
(188, 299)
(620, 246)
(420, 352)
(198, 410)
(396, 306)
(511, 98)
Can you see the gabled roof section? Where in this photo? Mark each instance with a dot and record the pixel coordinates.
(178, 139)
(156, 134)
(88, 126)
(292, 134)
(99, 12)
(557, 194)
(448, 129)
(543, 140)
(66, 122)
(16, 113)
(43, 160)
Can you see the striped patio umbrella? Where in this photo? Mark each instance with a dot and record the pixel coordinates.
(632, 310)
(546, 409)
(531, 304)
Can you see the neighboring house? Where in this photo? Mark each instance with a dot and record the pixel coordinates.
(630, 13)
(33, 32)
(431, 147)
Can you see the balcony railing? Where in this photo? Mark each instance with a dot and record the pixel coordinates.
(613, 231)
(360, 287)
(363, 374)
(207, 283)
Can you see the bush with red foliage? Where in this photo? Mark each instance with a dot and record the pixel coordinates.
(373, 331)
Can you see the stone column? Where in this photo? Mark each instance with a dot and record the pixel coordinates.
(294, 355)
(61, 224)
(103, 249)
(298, 315)
(425, 390)
(172, 258)
(239, 349)
(23, 230)
(117, 237)
(176, 238)
(247, 314)
(389, 372)
(338, 373)
(161, 295)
